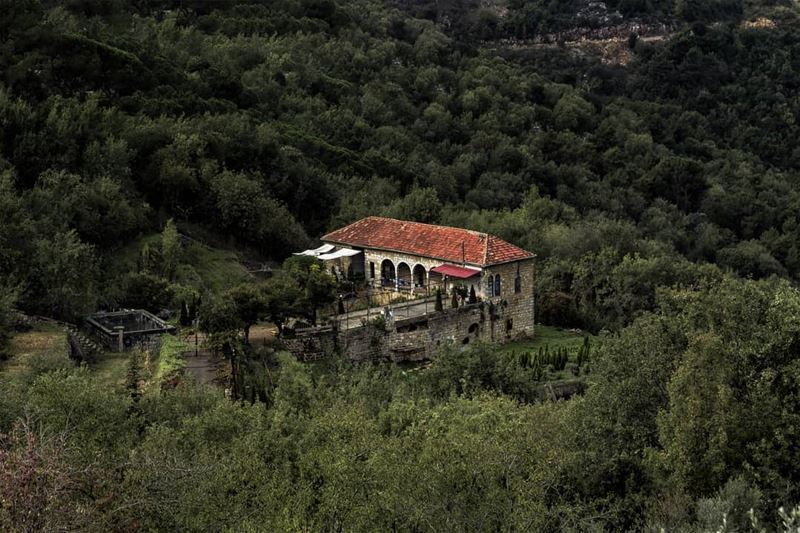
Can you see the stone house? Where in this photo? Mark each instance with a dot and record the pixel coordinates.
(411, 256)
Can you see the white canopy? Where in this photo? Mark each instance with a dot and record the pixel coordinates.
(324, 249)
(341, 252)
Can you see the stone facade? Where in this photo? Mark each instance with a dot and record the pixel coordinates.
(401, 255)
(496, 319)
(518, 297)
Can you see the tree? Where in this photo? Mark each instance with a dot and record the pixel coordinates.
(319, 290)
(472, 297)
(317, 287)
(170, 249)
(420, 205)
(283, 298)
(8, 299)
(146, 291)
(65, 274)
(249, 305)
(438, 305)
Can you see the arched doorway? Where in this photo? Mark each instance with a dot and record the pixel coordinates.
(387, 273)
(404, 276)
(419, 276)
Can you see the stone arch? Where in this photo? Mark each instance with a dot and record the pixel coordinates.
(473, 329)
(418, 274)
(404, 275)
(388, 275)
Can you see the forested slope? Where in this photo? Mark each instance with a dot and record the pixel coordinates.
(273, 123)
(648, 192)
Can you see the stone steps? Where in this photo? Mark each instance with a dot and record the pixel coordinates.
(86, 347)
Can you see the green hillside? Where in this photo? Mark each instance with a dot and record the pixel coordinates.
(173, 154)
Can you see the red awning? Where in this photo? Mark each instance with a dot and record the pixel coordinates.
(454, 271)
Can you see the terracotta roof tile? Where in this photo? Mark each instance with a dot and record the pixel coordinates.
(438, 242)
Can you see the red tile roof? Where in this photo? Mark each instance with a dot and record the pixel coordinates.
(427, 240)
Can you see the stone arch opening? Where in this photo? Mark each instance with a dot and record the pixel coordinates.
(404, 275)
(387, 272)
(419, 276)
(473, 329)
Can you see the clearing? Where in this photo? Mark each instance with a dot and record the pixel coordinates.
(44, 346)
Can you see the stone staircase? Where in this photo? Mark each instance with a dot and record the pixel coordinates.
(83, 348)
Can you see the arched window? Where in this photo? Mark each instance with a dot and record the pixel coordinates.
(497, 285)
(517, 282)
(490, 287)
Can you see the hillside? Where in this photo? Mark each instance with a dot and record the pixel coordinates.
(172, 155)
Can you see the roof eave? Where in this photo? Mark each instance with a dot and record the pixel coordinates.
(383, 249)
(479, 265)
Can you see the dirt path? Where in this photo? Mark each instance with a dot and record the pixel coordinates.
(203, 366)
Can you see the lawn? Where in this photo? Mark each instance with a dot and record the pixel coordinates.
(111, 368)
(44, 347)
(553, 338)
(200, 266)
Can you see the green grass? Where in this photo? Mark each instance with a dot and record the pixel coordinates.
(201, 266)
(44, 347)
(170, 358)
(554, 338)
(111, 368)
(217, 269)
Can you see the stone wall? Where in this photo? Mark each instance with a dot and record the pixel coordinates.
(312, 343)
(416, 338)
(499, 318)
(519, 307)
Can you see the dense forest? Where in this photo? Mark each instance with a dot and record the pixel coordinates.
(660, 196)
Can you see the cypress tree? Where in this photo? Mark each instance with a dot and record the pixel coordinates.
(182, 318)
(341, 306)
(438, 306)
(193, 309)
(133, 376)
(454, 300)
(472, 297)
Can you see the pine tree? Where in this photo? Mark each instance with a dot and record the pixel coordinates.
(438, 306)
